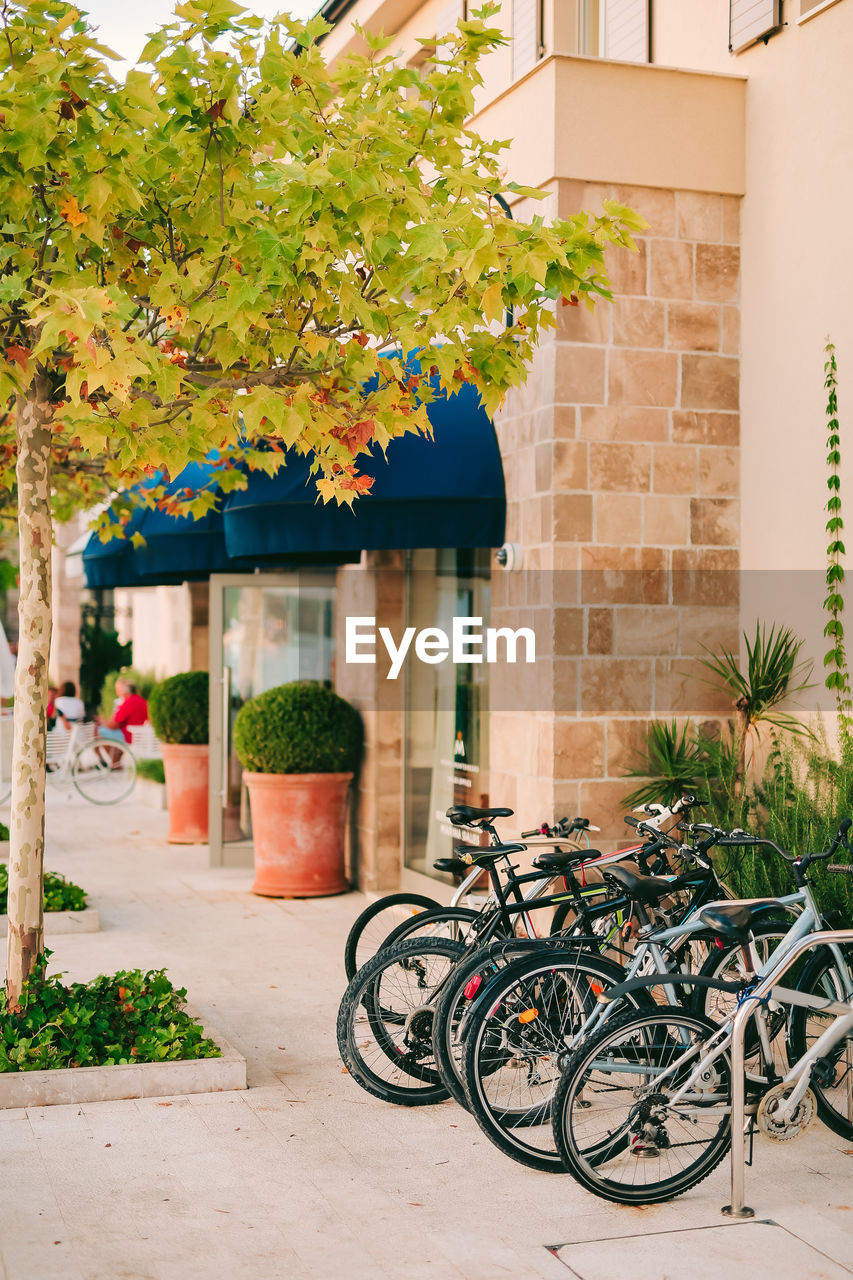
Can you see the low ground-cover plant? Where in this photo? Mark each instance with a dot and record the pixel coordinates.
(59, 894)
(153, 770)
(116, 1018)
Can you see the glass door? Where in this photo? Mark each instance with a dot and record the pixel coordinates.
(446, 739)
(265, 630)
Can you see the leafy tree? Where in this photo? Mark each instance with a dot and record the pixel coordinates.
(238, 220)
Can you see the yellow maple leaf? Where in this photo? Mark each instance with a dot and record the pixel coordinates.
(71, 212)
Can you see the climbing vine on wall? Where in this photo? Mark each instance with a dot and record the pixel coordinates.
(835, 659)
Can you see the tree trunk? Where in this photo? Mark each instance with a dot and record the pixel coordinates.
(26, 857)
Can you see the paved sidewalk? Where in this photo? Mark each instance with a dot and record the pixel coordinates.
(306, 1176)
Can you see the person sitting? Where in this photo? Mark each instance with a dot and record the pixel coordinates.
(130, 709)
(69, 708)
(52, 695)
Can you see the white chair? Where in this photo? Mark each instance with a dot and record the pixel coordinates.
(144, 742)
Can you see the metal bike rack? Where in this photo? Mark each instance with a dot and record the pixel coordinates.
(737, 1208)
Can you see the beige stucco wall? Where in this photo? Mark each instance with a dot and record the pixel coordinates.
(797, 282)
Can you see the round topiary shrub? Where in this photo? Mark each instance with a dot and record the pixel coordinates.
(178, 708)
(301, 727)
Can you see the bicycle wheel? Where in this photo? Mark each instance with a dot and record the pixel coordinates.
(384, 1024)
(725, 962)
(832, 1075)
(518, 1039)
(464, 984)
(615, 1126)
(374, 924)
(104, 772)
(443, 922)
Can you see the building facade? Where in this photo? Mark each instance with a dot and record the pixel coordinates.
(663, 466)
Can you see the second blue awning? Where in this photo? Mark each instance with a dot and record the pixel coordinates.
(444, 492)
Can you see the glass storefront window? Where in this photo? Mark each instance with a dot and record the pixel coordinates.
(271, 635)
(446, 723)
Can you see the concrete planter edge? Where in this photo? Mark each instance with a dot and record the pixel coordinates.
(20, 1089)
(55, 922)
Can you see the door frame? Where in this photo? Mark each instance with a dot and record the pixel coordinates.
(241, 855)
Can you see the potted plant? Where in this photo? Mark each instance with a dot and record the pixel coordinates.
(178, 708)
(299, 745)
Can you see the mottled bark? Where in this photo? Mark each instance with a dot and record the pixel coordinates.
(26, 858)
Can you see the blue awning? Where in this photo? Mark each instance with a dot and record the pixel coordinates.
(113, 564)
(444, 492)
(177, 548)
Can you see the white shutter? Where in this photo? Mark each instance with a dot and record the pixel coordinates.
(749, 20)
(626, 30)
(448, 18)
(525, 36)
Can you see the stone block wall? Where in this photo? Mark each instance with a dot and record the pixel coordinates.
(374, 589)
(622, 468)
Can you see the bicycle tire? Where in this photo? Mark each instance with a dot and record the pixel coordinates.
(429, 922)
(404, 1064)
(818, 978)
(99, 782)
(353, 957)
(587, 1162)
(480, 965)
(511, 1128)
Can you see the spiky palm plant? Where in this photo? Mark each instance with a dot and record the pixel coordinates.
(670, 764)
(774, 673)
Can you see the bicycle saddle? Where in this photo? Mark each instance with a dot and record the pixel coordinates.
(475, 853)
(557, 859)
(734, 919)
(462, 814)
(453, 866)
(640, 888)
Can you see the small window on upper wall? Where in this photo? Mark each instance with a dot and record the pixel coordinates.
(616, 29)
(448, 17)
(808, 7)
(752, 20)
(527, 41)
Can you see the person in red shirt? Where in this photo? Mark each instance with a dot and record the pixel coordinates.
(131, 709)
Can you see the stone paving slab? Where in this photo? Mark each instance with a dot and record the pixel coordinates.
(772, 1250)
(303, 1176)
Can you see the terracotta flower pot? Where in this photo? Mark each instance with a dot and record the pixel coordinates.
(298, 825)
(187, 792)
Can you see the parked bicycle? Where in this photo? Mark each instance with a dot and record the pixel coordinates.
(100, 771)
(381, 919)
(644, 1109)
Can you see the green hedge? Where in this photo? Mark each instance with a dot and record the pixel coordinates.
(298, 728)
(122, 1017)
(178, 708)
(59, 894)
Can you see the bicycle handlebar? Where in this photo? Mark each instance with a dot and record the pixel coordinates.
(562, 827)
(743, 838)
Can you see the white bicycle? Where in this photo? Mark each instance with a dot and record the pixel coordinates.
(101, 770)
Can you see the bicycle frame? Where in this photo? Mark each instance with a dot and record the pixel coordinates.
(732, 1035)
